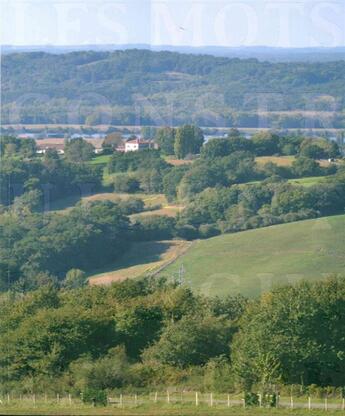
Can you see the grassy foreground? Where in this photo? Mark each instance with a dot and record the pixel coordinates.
(180, 403)
(255, 261)
(158, 410)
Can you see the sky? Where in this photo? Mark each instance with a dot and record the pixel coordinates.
(289, 23)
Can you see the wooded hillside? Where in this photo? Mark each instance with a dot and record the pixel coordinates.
(165, 87)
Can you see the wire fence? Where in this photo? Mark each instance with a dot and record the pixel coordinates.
(171, 398)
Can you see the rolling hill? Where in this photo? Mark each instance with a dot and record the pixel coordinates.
(262, 53)
(119, 87)
(252, 262)
(142, 259)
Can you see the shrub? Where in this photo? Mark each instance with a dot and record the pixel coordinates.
(126, 183)
(304, 166)
(75, 278)
(191, 341)
(132, 205)
(251, 399)
(187, 232)
(94, 396)
(156, 227)
(208, 230)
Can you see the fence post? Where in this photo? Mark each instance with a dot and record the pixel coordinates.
(309, 403)
(260, 400)
(196, 399)
(228, 400)
(291, 402)
(8, 397)
(211, 399)
(156, 397)
(343, 404)
(136, 399)
(168, 396)
(70, 399)
(57, 398)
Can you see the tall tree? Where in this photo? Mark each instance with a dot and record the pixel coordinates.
(188, 140)
(165, 138)
(113, 140)
(78, 150)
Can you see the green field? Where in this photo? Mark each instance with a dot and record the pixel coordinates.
(141, 259)
(161, 412)
(278, 160)
(100, 160)
(255, 261)
(308, 181)
(160, 403)
(63, 205)
(158, 410)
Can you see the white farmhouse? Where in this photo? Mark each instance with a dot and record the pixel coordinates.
(137, 144)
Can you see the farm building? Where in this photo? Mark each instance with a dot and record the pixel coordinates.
(137, 144)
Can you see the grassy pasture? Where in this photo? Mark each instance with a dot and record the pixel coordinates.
(160, 403)
(100, 160)
(150, 200)
(172, 410)
(65, 204)
(154, 409)
(255, 261)
(143, 258)
(278, 160)
(177, 162)
(167, 210)
(284, 160)
(308, 181)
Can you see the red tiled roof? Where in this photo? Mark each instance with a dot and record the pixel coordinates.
(57, 146)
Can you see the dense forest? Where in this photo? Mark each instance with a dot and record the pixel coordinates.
(152, 333)
(158, 88)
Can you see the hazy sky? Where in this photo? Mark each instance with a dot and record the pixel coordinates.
(286, 23)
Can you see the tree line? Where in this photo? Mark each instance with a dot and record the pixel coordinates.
(154, 333)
